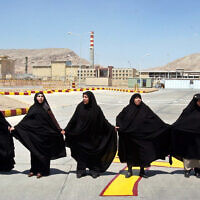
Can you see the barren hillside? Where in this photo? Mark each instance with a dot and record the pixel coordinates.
(188, 63)
(40, 57)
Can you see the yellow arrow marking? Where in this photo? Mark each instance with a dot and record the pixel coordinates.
(121, 186)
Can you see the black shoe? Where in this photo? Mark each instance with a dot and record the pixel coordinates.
(197, 174)
(129, 174)
(94, 174)
(187, 173)
(143, 175)
(79, 175)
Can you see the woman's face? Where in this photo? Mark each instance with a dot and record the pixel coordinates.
(85, 99)
(198, 102)
(137, 101)
(40, 98)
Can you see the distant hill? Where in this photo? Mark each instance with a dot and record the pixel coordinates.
(188, 63)
(40, 57)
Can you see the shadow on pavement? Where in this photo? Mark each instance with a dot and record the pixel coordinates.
(149, 173)
(10, 172)
(182, 172)
(107, 173)
(53, 171)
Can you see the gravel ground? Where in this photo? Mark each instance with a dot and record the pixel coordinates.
(7, 103)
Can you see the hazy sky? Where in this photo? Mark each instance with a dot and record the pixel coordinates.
(128, 33)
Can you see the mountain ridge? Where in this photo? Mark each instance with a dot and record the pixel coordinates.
(41, 57)
(188, 63)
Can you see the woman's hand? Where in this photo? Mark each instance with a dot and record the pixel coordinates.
(116, 128)
(11, 129)
(62, 132)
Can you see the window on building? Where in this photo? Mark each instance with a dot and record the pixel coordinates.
(144, 82)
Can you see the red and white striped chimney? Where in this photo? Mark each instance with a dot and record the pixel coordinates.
(92, 49)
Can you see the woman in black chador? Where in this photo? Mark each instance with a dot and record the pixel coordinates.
(40, 133)
(92, 139)
(6, 145)
(186, 137)
(143, 136)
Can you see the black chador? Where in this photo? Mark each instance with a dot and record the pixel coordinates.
(186, 137)
(6, 145)
(92, 139)
(143, 136)
(40, 133)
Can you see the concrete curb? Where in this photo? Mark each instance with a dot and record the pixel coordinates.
(29, 92)
(14, 112)
(36, 91)
(94, 88)
(15, 93)
(22, 111)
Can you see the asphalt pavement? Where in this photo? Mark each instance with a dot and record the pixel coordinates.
(164, 183)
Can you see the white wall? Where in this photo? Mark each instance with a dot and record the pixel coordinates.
(196, 84)
(184, 84)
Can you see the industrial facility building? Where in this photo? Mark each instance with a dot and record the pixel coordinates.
(60, 70)
(179, 78)
(7, 67)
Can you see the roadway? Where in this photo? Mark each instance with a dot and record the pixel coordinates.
(164, 182)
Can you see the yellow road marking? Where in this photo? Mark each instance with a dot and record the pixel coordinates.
(121, 186)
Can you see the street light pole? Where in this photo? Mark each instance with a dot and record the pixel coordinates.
(69, 58)
(79, 77)
(79, 63)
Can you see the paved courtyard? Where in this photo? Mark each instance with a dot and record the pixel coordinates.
(164, 182)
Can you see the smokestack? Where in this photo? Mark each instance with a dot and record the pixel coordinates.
(26, 65)
(92, 49)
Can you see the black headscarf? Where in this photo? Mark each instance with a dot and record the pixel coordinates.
(186, 132)
(139, 119)
(6, 146)
(143, 136)
(188, 120)
(44, 104)
(90, 136)
(38, 132)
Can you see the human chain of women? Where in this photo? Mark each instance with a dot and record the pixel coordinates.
(139, 138)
